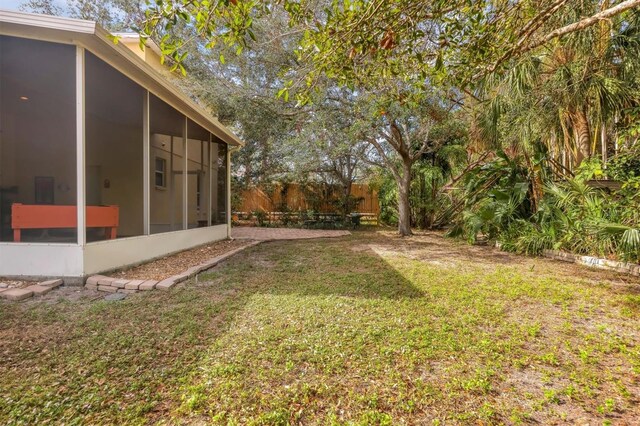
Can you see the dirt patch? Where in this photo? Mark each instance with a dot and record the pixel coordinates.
(175, 264)
(433, 247)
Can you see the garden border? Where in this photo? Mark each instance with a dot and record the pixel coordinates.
(39, 289)
(594, 262)
(118, 285)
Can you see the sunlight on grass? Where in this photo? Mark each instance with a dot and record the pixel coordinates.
(329, 332)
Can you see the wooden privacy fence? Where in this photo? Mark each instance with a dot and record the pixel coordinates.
(319, 198)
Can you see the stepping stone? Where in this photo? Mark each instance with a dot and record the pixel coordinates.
(115, 297)
(16, 294)
(52, 283)
(39, 290)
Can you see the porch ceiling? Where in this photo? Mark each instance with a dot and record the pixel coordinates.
(96, 39)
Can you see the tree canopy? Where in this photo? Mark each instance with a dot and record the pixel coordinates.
(359, 42)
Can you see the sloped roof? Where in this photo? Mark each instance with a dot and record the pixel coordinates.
(93, 37)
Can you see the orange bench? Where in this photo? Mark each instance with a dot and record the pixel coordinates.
(27, 216)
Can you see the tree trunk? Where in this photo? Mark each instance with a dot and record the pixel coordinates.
(432, 210)
(582, 134)
(434, 193)
(423, 220)
(404, 209)
(346, 190)
(536, 184)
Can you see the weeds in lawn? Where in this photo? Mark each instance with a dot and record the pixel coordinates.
(365, 330)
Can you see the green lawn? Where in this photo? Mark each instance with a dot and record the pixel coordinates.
(368, 329)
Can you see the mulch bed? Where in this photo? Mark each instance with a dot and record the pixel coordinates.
(6, 283)
(175, 264)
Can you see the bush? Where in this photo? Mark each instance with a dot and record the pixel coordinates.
(261, 217)
(625, 165)
(570, 216)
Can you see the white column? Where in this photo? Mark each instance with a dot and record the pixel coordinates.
(185, 178)
(215, 172)
(80, 148)
(146, 165)
(228, 192)
(171, 178)
(210, 174)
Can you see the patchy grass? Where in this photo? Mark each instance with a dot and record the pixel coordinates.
(370, 329)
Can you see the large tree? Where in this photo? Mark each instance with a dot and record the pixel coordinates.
(365, 45)
(358, 40)
(398, 124)
(567, 95)
(242, 90)
(327, 147)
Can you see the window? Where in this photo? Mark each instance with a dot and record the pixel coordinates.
(161, 172)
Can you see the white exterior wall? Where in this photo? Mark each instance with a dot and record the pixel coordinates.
(104, 256)
(40, 260)
(74, 261)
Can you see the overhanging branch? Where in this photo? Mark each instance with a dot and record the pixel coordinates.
(523, 47)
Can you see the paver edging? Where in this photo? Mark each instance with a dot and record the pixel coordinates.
(107, 284)
(37, 289)
(112, 285)
(594, 262)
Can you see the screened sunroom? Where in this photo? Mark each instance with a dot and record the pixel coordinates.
(103, 163)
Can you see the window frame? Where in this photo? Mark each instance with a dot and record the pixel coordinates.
(162, 172)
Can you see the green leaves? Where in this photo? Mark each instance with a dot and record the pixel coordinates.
(284, 94)
(628, 238)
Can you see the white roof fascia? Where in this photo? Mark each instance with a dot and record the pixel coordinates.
(97, 40)
(135, 36)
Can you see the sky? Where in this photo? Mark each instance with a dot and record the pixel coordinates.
(14, 4)
(10, 4)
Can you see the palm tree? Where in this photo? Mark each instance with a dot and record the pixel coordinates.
(565, 93)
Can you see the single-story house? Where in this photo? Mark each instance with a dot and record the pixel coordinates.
(103, 161)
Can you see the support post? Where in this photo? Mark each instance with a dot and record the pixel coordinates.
(210, 174)
(171, 178)
(80, 148)
(185, 177)
(146, 165)
(228, 177)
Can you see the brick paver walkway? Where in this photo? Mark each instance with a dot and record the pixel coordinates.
(265, 234)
